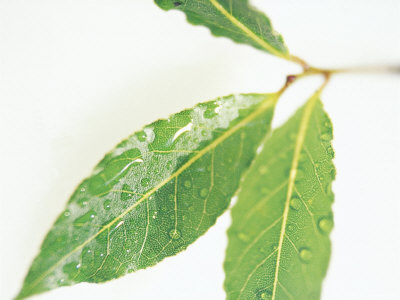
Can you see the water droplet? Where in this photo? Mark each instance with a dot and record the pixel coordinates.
(83, 189)
(263, 169)
(101, 254)
(61, 281)
(204, 133)
(82, 202)
(203, 192)
(107, 204)
(295, 203)
(71, 269)
(209, 113)
(305, 255)
(188, 183)
(89, 216)
(141, 136)
(264, 294)
(174, 234)
(325, 225)
(145, 182)
(326, 136)
(243, 237)
(126, 192)
(67, 213)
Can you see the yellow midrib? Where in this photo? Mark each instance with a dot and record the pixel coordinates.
(246, 30)
(270, 101)
(292, 176)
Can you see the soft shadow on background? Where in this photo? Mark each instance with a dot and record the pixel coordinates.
(76, 77)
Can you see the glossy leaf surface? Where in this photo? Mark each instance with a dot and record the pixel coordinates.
(154, 194)
(235, 19)
(279, 243)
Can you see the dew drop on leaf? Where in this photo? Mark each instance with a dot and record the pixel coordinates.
(209, 113)
(325, 225)
(263, 169)
(141, 136)
(89, 216)
(126, 193)
(243, 237)
(305, 255)
(107, 204)
(264, 294)
(203, 192)
(145, 182)
(326, 136)
(82, 202)
(295, 203)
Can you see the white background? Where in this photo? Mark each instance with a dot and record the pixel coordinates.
(76, 77)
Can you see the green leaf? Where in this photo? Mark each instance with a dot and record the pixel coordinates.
(279, 243)
(235, 19)
(154, 194)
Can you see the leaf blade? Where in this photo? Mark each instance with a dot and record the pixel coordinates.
(142, 202)
(234, 19)
(279, 243)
